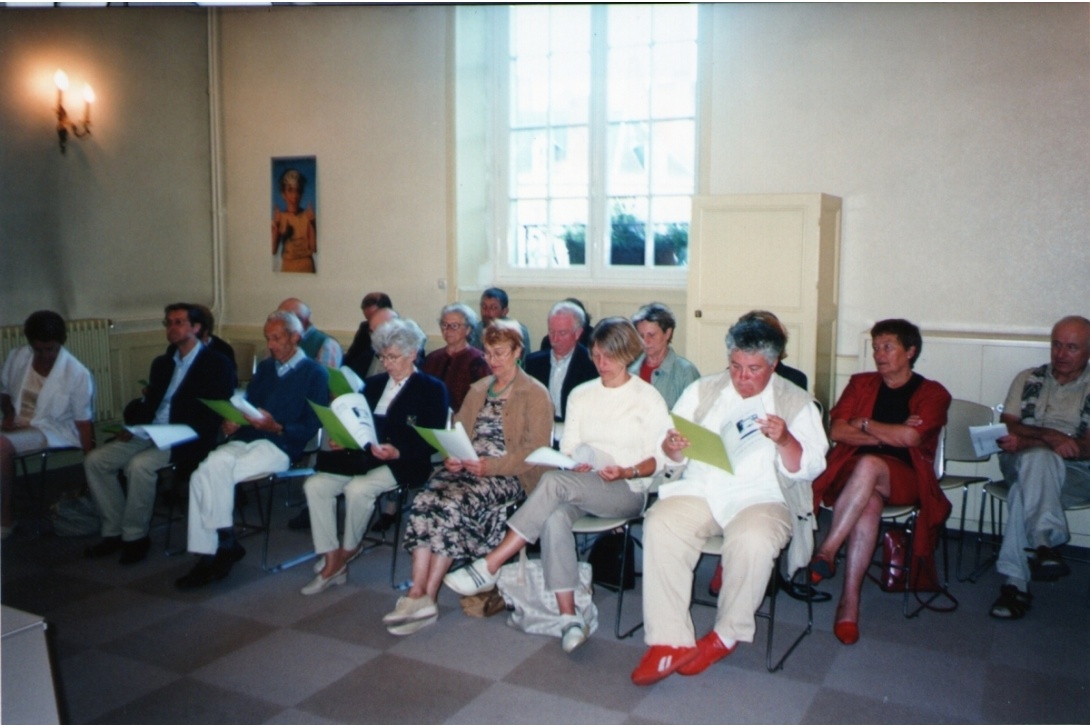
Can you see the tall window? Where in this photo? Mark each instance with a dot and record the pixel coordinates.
(601, 140)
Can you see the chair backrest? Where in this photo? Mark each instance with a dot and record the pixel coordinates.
(958, 446)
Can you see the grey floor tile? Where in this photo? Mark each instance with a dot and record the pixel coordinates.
(394, 690)
(728, 695)
(598, 672)
(170, 643)
(297, 716)
(507, 704)
(92, 683)
(44, 591)
(355, 617)
(285, 667)
(187, 701)
(876, 669)
(275, 598)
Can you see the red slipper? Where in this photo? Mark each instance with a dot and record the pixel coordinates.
(709, 649)
(660, 662)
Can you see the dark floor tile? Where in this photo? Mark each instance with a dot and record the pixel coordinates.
(45, 591)
(93, 683)
(393, 690)
(191, 702)
(831, 706)
(1021, 696)
(189, 640)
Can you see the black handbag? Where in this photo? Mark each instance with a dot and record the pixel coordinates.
(347, 461)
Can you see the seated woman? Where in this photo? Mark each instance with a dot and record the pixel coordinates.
(399, 398)
(457, 364)
(618, 420)
(886, 426)
(460, 514)
(46, 399)
(659, 365)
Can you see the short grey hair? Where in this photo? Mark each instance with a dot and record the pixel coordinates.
(566, 306)
(461, 309)
(289, 320)
(400, 333)
(753, 335)
(658, 313)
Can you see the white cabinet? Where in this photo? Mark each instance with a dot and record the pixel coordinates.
(776, 252)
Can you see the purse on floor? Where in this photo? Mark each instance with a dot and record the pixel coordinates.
(522, 585)
(895, 555)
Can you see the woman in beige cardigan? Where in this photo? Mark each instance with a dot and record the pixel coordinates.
(460, 513)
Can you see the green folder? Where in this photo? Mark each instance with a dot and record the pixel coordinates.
(226, 410)
(704, 444)
(338, 383)
(334, 427)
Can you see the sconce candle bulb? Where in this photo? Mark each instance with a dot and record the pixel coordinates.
(64, 126)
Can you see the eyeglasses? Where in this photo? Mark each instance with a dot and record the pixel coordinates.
(497, 353)
(389, 357)
(450, 326)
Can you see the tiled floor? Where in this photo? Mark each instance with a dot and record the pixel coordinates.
(129, 648)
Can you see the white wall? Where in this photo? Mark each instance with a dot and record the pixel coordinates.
(956, 135)
(121, 224)
(365, 90)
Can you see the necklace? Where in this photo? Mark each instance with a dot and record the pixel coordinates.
(497, 394)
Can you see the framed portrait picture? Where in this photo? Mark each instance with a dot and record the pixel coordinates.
(294, 217)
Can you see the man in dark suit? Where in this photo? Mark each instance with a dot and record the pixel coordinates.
(178, 380)
(568, 362)
(361, 355)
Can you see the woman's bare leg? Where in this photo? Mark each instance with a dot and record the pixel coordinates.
(565, 601)
(511, 544)
(861, 545)
(870, 477)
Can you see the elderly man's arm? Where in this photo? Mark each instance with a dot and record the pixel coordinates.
(1027, 436)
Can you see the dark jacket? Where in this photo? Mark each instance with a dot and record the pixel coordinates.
(422, 401)
(580, 370)
(210, 377)
(285, 398)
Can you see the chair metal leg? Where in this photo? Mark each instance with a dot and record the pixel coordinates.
(267, 520)
(774, 589)
(980, 568)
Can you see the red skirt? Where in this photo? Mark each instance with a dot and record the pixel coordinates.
(903, 487)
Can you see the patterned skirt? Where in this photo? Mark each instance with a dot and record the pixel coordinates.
(460, 515)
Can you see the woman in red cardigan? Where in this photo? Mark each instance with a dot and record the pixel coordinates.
(886, 426)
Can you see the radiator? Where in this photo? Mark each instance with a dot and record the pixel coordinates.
(88, 341)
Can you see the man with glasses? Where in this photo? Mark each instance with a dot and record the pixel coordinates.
(179, 379)
(568, 362)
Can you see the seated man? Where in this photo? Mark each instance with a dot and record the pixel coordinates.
(361, 354)
(188, 372)
(279, 390)
(1046, 461)
(568, 362)
(316, 344)
(766, 502)
(494, 305)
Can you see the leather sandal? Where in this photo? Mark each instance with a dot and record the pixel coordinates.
(1012, 603)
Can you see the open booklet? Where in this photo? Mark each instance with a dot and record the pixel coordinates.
(347, 421)
(583, 454)
(164, 436)
(228, 409)
(724, 450)
(984, 437)
(449, 442)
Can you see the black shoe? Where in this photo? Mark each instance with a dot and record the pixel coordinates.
(134, 551)
(383, 523)
(800, 591)
(1048, 565)
(107, 546)
(300, 521)
(211, 568)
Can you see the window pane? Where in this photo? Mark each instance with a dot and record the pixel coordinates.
(570, 28)
(628, 231)
(526, 28)
(570, 232)
(529, 102)
(627, 160)
(673, 22)
(673, 147)
(529, 230)
(570, 162)
(673, 80)
(569, 89)
(629, 25)
(629, 84)
(670, 222)
(529, 163)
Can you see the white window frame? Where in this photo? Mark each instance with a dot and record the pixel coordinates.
(597, 272)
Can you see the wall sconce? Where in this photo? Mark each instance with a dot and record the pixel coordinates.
(63, 124)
